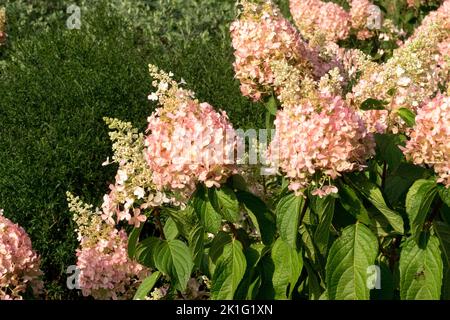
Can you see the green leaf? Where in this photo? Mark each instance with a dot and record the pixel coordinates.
(418, 202)
(170, 229)
(373, 104)
(208, 216)
(174, 258)
(224, 201)
(408, 116)
(388, 150)
(133, 240)
(348, 261)
(196, 244)
(386, 290)
(288, 215)
(444, 193)
(145, 251)
(272, 106)
(442, 230)
(372, 193)
(260, 215)
(353, 204)
(146, 286)
(185, 220)
(421, 269)
(324, 208)
(248, 288)
(288, 267)
(217, 245)
(229, 272)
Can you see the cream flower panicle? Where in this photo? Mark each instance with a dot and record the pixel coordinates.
(318, 140)
(106, 271)
(260, 37)
(19, 263)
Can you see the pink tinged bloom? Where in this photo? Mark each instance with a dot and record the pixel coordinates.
(19, 263)
(187, 145)
(315, 17)
(106, 272)
(429, 142)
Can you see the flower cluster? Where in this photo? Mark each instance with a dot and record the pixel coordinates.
(188, 141)
(19, 263)
(133, 190)
(316, 142)
(429, 142)
(261, 36)
(316, 18)
(2, 26)
(105, 270)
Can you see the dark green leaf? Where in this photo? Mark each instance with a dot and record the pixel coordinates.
(174, 258)
(372, 193)
(324, 208)
(224, 201)
(170, 229)
(209, 217)
(352, 204)
(348, 261)
(408, 116)
(388, 150)
(260, 215)
(133, 240)
(196, 244)
(373, 104)
(288, 267)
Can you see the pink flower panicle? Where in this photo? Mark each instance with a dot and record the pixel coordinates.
(429, 142)
(188, 141)
(106, 271)
(315, 143)
(19, 263)
(260, 37)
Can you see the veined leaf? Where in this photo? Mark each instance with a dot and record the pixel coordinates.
(408, 116)
(324, 208)
(348, 261)
(225, 203)
(229, 271)
(196, 244)
(145, 251)
(288, 214)
(418, 202)
(421, 269)
(372, 193)
(288, 267)
(146, 286)
(209, 217)
(373, 104)
(133, 240)
(315, 290)
(170, 229)
(352, 204)
(174, 258)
